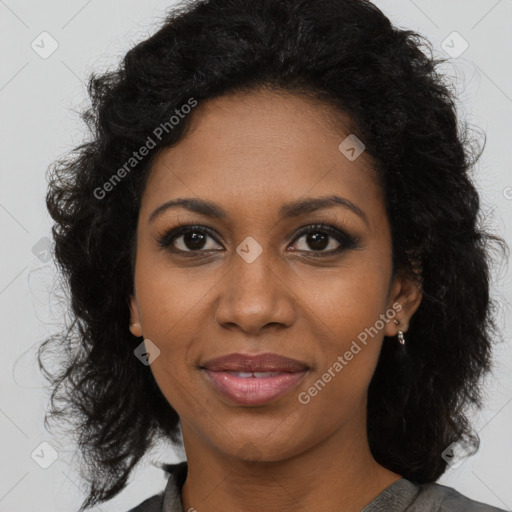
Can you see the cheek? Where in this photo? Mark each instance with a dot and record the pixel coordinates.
(346, 301)
(168, 296)
(347, 315)
(348, 310)
(172, 315)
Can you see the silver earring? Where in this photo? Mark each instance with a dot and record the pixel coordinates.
(400, 333)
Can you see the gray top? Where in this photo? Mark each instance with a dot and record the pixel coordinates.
(401, 496)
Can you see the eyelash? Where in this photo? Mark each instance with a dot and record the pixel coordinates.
(346, 241)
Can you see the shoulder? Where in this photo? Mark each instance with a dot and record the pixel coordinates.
(153, 504)
(169, 499)
(442, 498)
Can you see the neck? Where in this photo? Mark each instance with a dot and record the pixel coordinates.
(314, 479)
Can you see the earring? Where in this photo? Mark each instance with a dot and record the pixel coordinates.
(400, 333)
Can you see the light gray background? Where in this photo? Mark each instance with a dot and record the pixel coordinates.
(39, 99)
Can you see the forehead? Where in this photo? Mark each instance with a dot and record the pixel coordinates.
(260, 149)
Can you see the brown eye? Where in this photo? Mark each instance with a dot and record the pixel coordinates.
(189, 239)
(318, 241)
(325, 240)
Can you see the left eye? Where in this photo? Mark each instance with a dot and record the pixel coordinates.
(319, 238)
(318, 241)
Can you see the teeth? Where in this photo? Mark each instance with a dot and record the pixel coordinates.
(258, 375)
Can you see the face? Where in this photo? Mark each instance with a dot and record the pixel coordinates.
(263, 269)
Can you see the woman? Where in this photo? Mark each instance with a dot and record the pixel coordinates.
(272, 249)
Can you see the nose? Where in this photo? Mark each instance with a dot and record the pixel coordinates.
(254, 296)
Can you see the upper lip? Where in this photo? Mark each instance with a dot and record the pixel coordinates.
(267, 362)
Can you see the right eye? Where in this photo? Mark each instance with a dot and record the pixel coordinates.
(187, 239)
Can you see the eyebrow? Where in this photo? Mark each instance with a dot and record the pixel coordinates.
(287, 211)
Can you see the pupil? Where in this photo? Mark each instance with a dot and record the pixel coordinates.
(194, 240)
(318, 241)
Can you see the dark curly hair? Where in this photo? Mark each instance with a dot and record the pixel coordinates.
(347, 54)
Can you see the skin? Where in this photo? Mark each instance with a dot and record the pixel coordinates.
(250, 153)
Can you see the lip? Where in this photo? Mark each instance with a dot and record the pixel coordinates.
(253, 390)
(266, 362)
(220, 374)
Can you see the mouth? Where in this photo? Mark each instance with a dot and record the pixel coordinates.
(253, 379)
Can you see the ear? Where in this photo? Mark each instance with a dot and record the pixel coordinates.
(135, 324)
(405, 298)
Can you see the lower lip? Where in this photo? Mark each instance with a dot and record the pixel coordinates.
(253, 390)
